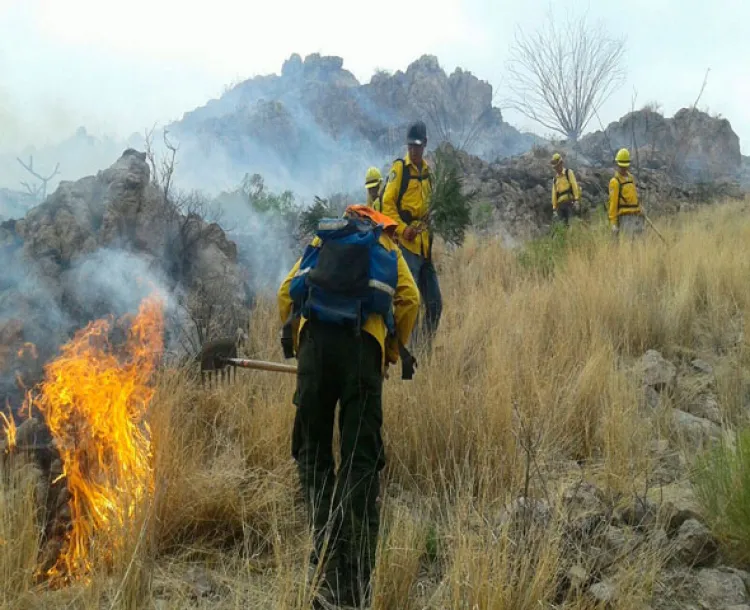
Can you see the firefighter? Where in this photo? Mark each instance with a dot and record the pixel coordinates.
(565, 191)
(342, 354)
(625, 214)
(406, 199)
(373, 184)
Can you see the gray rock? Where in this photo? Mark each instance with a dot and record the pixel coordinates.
(705, 405)
(668, 463)
(702, 589)
(677, 504)
(718, 588)
(583, 498)
(702, 366)
(696, 394)
(656, 372)
(694, 545)
(696, 431)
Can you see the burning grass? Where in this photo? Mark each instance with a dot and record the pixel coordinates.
(530, 389)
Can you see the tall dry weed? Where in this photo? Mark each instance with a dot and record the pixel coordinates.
(531, 379)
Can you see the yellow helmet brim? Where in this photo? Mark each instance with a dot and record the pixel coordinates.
(369, 185)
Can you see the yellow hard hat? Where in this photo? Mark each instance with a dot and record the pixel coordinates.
(556, 158)
(373, 177)
(622, 158)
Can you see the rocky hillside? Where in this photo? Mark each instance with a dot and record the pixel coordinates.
(315, 127)
(514, 194)
(97, 247)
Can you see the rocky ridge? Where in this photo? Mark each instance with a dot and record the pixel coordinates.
(315, 123)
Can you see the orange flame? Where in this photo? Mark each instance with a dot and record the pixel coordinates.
(94, 399)
(9, 430)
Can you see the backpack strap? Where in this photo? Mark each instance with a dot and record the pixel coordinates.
(403, 187)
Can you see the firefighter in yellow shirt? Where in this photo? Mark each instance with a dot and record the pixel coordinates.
(373, 183)
(565, 191)
(406, 199)
(625, 214)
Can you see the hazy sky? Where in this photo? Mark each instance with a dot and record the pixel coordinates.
(117, 67)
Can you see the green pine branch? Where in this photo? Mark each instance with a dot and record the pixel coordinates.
(450, 205)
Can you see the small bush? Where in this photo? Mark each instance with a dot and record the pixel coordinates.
(722, 485)
(546, 254)
(450, 206)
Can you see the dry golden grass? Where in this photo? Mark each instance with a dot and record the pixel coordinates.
(530, 388)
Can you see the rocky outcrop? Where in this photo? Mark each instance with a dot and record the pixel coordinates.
(97, 247)
(693, 144)
(315, 124)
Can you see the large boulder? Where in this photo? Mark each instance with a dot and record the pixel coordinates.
(693, 144)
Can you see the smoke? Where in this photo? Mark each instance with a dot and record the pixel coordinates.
(264, 241)
(46, 309)
(113, 281)
(79, 155)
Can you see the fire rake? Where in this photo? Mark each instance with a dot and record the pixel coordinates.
(219, 357)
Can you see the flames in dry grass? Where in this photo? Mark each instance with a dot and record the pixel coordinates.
(9, 429)
(94, 398)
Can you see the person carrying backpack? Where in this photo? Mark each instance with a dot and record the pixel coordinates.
(625, 212)
(373, 184)
(565, 191)
(406, 199)
(353, 302)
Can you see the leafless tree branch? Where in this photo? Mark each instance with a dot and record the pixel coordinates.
(38, 191)
(560, 75)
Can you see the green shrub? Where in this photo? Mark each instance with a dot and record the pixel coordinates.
(721, 479)
(545, 255)
(450, 205)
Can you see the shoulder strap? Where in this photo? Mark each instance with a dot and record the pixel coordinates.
(405, 177)
(628, 180)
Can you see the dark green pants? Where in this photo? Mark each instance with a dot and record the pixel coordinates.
(335, 365)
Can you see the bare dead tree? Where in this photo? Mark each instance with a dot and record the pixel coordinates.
(162, 170)
(561, 74)
(206, 300)
(38, 191)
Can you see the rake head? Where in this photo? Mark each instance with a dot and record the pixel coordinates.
(213, 360)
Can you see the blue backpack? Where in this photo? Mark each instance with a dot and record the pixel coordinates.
(349, 276)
